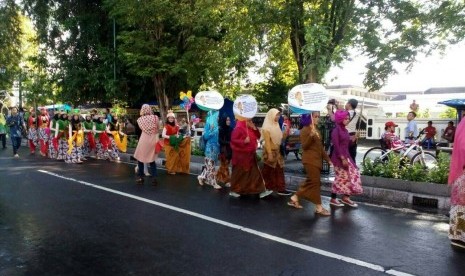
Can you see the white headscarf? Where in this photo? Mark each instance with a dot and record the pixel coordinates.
(272, 126)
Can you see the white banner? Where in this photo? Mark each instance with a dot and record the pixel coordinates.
(307, 97)
(209, 100)
(245, 106)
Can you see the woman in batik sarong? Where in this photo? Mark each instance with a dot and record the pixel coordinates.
(43, 131)
(347, 180)
(102, 141)
(89, 139)
(32, 137)
(246, 177)
(146, 147)
(273, 161)
(177, 147)
(75, 140)
(457, 183)
(61, 138)
(212, 149)
(53, 144)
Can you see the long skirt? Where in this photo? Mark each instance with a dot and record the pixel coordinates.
(111, 153)
(274, 178)
(44, 139)
(209, 173)
(33, 139)
(75, 155)
(52, 151)
(457, 211)
(62, 149)
(178, 161)
(310, 188)
(347, 181)
(247, 181)
(223, 175)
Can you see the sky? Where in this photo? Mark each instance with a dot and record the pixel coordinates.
(427, 72)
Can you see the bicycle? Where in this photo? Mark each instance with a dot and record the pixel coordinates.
(413, 152)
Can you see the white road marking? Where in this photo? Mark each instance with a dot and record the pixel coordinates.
(238, 227)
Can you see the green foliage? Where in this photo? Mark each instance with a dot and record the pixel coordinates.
(10, 42)
(396, 167)
(449, 113)
(196, 151)
(132, 141)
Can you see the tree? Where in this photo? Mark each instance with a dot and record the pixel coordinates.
(320, 32)
(10, 41)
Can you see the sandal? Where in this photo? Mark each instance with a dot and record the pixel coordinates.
(294, 204)
(140, 180)
(323, 212)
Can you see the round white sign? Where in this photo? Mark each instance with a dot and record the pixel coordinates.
(209, 100)
(307, 97)
(245, 106)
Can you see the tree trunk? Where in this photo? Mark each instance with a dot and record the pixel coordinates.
(159, 82)
(311, 76)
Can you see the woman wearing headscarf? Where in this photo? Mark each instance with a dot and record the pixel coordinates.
(457, 183)
(212, 149)
(75, 140)
(273, 161)
(246, 177)
(347, 181)
(177, 147)
(145, 150)
(312, 159)
(223, 175)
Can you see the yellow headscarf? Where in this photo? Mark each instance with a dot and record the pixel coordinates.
(272, 126)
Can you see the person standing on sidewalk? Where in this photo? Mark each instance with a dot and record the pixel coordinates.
(457, 182)
(347, 181)
(212, 149)
(273, 161)
(246, 177)
(411, 130)
(354, 118)
(3, 130)
(312, 159)
(16, 124)
(145, 150)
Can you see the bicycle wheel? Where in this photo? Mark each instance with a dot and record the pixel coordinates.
(429, 161)
(374, 155)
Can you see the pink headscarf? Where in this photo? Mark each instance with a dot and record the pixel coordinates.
(457, 162)
(340, 115)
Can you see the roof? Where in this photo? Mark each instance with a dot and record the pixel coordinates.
(445, 90)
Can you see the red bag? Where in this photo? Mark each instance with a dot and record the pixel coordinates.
(159, 146)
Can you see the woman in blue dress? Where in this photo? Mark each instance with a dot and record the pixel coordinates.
(212, 149)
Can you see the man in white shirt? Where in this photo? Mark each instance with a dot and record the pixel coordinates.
(354, 117)
(411, 131)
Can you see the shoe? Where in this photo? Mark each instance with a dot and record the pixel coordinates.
(227, 185)
(284, 193)
(323, 212)
(349, 202)
(233, 194)
(16, 155)
(265, 193)
(335, 203)
(154, 182)
(140, 180)
(199, 178)
(295, 204)
(216, 186)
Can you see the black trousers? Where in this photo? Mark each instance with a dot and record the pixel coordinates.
(3, 139)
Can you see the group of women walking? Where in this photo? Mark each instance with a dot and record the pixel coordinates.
(70, 138)
(237, 146)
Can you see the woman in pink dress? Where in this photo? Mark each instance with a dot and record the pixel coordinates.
(145, 150)
(457, 183)
(347, 181)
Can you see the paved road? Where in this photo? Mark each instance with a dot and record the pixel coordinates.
(91, 219)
